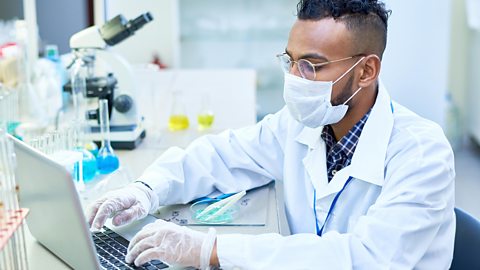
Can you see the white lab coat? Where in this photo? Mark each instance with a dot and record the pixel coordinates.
(396, 213)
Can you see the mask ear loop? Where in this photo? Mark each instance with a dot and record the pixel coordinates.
(350, 98)
(350, 69)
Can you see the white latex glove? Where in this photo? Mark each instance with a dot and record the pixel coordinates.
(173, 244)
(125, 205)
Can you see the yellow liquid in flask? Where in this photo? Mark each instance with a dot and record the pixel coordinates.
(178, 122)
(205, 121)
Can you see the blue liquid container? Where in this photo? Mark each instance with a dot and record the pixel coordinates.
(89, 165)
(106, 162)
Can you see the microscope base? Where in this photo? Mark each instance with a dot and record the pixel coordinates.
(121, 137)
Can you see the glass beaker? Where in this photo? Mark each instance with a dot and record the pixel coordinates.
(89, 161)
(205, 116)
(80, 127)
(178, 119)
(107, 161)
(89, 165)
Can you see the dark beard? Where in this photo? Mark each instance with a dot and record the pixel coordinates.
(345, 94)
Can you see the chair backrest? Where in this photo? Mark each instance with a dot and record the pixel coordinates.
(466, 253)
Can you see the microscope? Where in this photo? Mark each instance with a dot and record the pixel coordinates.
(109, 76)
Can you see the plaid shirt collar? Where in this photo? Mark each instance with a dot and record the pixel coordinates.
(346, 146)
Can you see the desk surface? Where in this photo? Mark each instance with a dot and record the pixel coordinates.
(134, 162)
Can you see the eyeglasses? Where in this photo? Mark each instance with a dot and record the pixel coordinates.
(307, 69)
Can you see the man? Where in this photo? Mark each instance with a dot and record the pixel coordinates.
(368, 184)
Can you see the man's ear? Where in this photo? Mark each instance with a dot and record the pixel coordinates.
(370, 71)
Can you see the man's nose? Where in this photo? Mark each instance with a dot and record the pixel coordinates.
(294, 70)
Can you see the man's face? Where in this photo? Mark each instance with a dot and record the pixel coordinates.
(321, 41)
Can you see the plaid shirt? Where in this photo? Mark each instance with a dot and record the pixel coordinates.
(339, 154)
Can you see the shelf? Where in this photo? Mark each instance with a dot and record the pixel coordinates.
(10, 223)
(236, 36)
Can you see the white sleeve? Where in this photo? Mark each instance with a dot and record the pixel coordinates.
(416, 200)
(231, 161)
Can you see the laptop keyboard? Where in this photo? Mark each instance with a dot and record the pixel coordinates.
(111, 251)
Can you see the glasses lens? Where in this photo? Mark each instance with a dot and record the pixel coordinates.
(285, 62)
(306, 69)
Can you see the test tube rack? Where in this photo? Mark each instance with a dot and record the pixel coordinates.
(10, 223)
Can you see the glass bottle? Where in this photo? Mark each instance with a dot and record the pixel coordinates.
(79, 90)
(178, 118)
(89, 162)
(205, 116)
(107, 161)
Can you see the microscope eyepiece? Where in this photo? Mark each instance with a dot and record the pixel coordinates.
(141, 20)
(117, 29)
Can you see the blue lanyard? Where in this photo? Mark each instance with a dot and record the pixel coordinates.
(320, 230)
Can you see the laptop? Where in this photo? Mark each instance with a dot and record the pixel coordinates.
(56, 218)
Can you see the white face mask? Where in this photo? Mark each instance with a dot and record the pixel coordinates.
(309, 102)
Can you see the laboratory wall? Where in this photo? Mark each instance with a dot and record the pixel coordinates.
(459, 78)
(242, 34)
(473, 94)
(58, 20)
(431, 64)
(160, 37)
(415, 67)
(463, 114)
(11, 9)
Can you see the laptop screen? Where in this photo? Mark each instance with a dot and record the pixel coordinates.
(56, 217)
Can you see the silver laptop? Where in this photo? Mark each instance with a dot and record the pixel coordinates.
(56, 217)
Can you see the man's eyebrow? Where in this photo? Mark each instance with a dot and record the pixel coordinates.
(309, 56)
(313, 56)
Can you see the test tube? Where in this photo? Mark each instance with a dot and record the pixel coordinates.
(69, 132)
(57, 141)
(34, 143)
(14, 252)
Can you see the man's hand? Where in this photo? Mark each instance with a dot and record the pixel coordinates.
(124, 205)
(173, 244)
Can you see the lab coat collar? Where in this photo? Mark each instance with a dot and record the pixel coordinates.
(310, 137)
(368, 161)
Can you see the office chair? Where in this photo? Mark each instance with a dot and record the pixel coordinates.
(466, 252)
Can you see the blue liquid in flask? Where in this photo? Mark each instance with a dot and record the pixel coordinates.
(89, 165)
(106, 162)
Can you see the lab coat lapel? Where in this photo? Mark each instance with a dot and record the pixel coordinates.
(315, 162)
(368, 161)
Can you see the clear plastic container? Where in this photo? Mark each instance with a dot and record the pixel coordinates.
(227, 217)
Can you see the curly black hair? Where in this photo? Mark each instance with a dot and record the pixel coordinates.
(367, 19)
